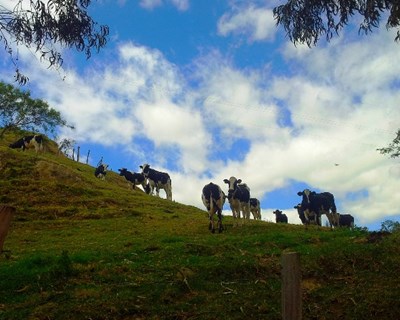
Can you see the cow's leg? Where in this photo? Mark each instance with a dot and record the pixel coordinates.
(336, 217)
(151, 189)
(220, 228)
(157, 191)
(234, 214)
(168, 192)
(307, 215)
(245, 210)
(330, 219)
(211, 226)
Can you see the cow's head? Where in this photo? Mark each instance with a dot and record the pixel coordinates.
(277, 212)
(305, 203)
(232, 183)
(298, 207)
(145, 169)
(122, 171)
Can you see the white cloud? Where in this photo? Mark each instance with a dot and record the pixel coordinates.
(256, 23)
(332, 109)
(181, 5)
(150, 4)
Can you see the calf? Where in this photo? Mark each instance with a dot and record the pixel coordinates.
(29, 142)
(101, 171)
(255, 208)
(158, 180)
(346, 220)
(280, 217)
(213, 199)
(319, 203)
(238, 197)
(134, 178)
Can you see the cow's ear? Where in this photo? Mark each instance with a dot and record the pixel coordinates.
(141, 167)
(239, 181)
(300, 193)
(226, 180)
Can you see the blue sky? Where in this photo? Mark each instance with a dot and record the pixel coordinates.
(208, 90)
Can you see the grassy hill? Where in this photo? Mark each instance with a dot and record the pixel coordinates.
(82, 248)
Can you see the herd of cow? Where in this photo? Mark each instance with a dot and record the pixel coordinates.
(310, 209)
(149, 179)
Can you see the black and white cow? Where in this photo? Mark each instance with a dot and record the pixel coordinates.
(29, 142)
(133, 177)
(255, 208)
(101, 171)
(157, 180)
(213, 198)
(319, 203)
(312, 218)
(346, 220)
(238, 197)
(280, 217)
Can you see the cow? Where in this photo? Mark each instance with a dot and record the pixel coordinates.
(346, 220)
(213, 199)
(29, 142)
(280, 217)
(312, 218)
(238, 197)
(133, 177)
(319, 203)
(157, 180)
(255, 208)
(101, 171)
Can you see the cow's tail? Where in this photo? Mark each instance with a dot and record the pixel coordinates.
(211, 203)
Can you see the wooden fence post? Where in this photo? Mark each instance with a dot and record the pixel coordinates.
(6, 213)
(291, 286)
(87, 157)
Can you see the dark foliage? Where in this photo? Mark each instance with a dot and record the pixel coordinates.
(394, 147)
(40, 25)
(306, 21)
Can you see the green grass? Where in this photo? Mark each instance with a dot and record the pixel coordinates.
(108, 252)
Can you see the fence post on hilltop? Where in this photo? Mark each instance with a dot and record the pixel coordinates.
(78, 154)
(291, 286)
(6, 213)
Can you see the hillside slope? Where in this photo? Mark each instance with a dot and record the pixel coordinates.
(82, 248)
(48, 185)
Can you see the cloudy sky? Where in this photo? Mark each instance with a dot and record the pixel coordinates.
(208, 91)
